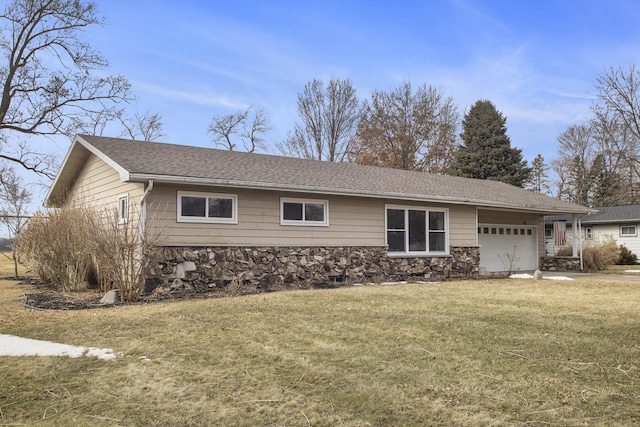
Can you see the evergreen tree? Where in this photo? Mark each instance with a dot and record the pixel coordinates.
(485, 152)
(539, 182)
(605, 184)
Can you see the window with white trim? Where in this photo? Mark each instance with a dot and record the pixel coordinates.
(628, 231)
(416, 231)
(304, 212)
(588, 233)
(207, 207)
(123, 209)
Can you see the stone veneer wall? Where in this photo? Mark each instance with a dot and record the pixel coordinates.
(561, 263)
(265, 268)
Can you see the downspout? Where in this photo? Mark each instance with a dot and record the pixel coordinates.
(580, 243)
(143, 207)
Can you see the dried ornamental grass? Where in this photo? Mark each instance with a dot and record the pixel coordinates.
(599, 255)
(58, 246)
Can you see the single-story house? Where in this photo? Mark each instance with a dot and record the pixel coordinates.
(618, 222)
(261, 218)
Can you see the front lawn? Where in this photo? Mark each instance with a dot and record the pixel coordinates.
(472, 353)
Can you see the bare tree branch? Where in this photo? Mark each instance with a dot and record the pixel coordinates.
(248, 127)
(404, 129)
(329, 121)
(47, 81)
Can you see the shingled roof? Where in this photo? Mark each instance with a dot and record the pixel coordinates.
(614, 214)
(139, 161)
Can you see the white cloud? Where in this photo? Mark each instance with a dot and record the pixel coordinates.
(202, 96)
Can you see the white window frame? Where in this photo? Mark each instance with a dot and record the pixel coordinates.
(206, 218)
(304, 222)
(123, 208)
(634, 234)
(426, 209)
(588, 233)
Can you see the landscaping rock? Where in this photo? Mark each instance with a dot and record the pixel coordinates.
(110, 297)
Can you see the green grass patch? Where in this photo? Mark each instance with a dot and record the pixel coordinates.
(503, 352)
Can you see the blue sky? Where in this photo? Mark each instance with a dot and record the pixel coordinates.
(537, 61)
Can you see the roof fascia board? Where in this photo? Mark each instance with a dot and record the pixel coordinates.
(332, 191)
(612, 221)
(54, 184)
(124, 174)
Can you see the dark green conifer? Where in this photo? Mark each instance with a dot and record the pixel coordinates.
(486, 152)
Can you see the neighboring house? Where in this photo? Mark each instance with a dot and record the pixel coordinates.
(257, 218)
(618, 222)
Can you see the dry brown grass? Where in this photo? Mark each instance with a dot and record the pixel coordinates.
(7, 267)
(470, 353)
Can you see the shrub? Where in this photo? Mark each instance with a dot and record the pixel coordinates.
(565, 251)
(58, 246)
(125, 254)
(626, 256)
(601, 254)
(70, 246)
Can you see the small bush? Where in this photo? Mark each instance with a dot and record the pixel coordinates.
(600, 255)
(70, 247)
(58, 246)
(565, 251)
(125, 254)
(626, 256)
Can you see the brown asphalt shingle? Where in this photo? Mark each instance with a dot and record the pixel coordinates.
(165, 162)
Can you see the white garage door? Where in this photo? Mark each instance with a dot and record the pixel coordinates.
(508, 247)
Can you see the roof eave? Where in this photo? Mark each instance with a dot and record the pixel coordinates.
(55, 195)
(612, 221)
(172, 179)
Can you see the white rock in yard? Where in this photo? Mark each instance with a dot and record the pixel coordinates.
(110, 297)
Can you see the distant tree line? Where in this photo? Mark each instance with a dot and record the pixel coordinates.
(405, 128)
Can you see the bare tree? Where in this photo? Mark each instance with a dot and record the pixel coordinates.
(619, 91)
(48, 79)
(248, 127)
(147, 127)
(13, 211)
(573, 165)
(329, 121)
(406, 130)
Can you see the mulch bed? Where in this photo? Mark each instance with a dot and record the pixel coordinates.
(44, 296)
(40, 295)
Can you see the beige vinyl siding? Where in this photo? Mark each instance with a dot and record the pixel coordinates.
(463, 226)
(353, 221)
(99, 185)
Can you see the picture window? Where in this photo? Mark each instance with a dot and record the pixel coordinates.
(416, 230)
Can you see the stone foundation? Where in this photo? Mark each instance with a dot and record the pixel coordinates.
(268, 268)
(561, 263)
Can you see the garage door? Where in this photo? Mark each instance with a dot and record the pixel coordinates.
(507, 247)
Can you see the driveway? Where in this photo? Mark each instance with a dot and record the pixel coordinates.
(603, 276)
